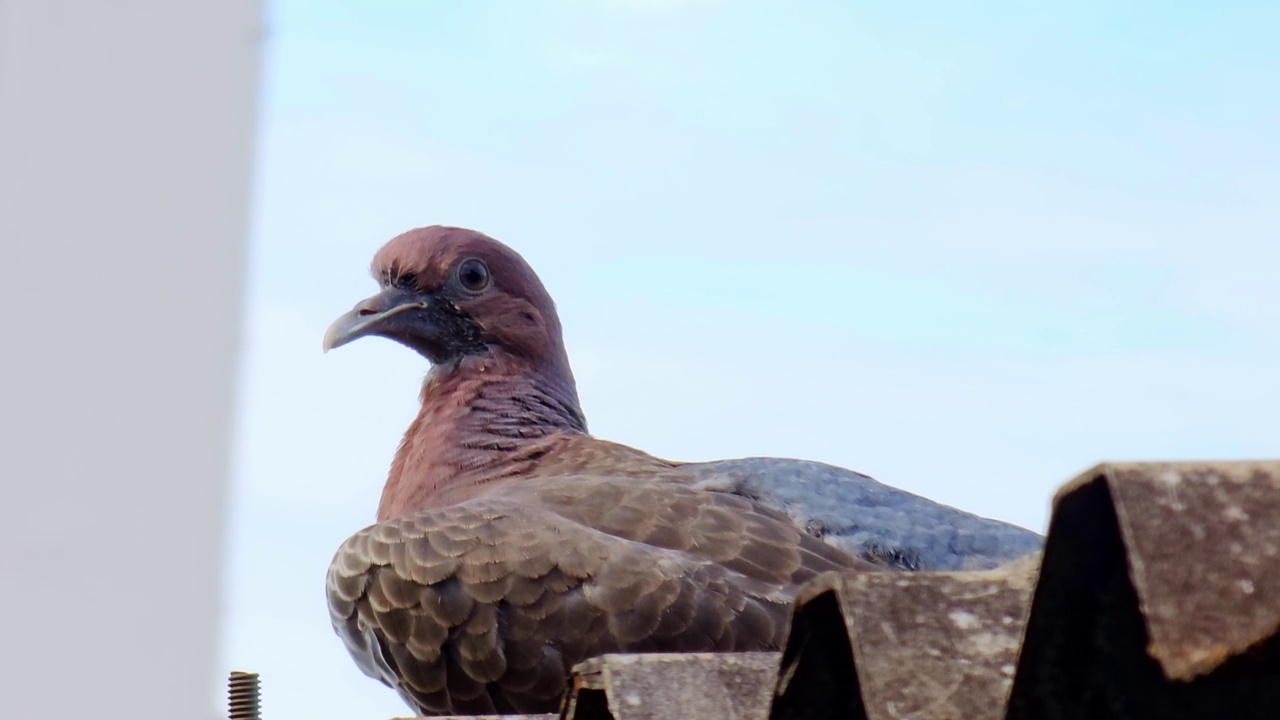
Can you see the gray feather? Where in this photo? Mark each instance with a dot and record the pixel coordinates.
(868, 518)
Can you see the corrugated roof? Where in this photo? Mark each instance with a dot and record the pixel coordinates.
(731, 686)
(550, 716)
(892, 645)
(1159, 596)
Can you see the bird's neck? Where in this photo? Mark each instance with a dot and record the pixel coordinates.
(483, 419)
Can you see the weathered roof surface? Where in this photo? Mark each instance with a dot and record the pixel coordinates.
(1159, 596)
(896, 645)
(551, 716)
(665, 686)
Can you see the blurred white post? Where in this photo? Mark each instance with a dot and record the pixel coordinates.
(125, 156)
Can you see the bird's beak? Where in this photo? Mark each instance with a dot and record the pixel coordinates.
(371, 315)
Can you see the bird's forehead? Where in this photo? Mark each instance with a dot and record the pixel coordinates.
(428, 253)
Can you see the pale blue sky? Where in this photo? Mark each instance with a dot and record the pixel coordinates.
(969, 249)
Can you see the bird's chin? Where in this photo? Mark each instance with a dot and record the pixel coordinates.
(435, 352)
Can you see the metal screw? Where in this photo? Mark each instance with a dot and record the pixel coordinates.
(243, 688)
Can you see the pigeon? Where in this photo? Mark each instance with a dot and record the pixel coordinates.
(510, 544)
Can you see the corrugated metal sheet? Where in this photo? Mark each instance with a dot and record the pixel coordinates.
(728, 686)
(905, 645)
(1159, 596)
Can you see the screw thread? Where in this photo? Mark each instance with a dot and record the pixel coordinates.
(243, 695)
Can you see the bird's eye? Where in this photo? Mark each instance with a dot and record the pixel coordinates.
(473, 274)
(407, 280)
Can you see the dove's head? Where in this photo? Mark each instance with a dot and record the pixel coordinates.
(451, 293)
(500, 378)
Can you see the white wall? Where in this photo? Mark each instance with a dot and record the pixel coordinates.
(125, 154)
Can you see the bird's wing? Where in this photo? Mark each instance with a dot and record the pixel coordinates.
(483, 606)
(869, 519)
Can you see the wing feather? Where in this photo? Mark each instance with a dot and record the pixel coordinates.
(484, 606)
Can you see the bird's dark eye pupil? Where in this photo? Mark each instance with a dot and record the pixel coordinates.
(474, 275)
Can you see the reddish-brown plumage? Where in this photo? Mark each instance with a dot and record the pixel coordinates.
(462, 438)
(511, 544)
